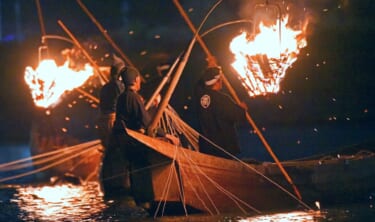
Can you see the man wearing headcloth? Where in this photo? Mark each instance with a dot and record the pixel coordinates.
(218, 116)
(131, 114)
(130, 109)
(107, 100)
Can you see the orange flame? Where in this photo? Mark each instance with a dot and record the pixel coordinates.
(262, 61)
(48, 81)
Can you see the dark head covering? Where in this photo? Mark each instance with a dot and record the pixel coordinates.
(118, 63)
(129, 74)
(114, 74)
(116, 67)
(211, 75)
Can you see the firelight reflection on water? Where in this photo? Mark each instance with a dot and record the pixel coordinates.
(59, 202)
(297, 216)
(66, 202)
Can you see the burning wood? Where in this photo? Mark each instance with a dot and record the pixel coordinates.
(48, 82)
(261, 61)
(264, 65)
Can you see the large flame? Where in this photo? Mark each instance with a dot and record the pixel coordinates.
(48, 82)
(262, 60)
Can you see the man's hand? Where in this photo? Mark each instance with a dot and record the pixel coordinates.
(174, 140)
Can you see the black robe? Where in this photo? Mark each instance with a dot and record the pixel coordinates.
(218, 116)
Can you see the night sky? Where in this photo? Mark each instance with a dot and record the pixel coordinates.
(331, 82)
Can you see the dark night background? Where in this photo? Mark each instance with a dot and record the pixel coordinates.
(331, 83)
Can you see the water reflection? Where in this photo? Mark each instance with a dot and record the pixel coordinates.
(292, 216)
(67, 202)
(296, 216)
(59, 202)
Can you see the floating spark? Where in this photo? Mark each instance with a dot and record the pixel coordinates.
(262, 60)
(48, 82)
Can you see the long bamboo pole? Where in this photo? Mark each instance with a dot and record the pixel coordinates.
(78, 44)
(41, 21)
(236, 98)
(162, 83)
(105, 33)
(172, 86)
(90, 96)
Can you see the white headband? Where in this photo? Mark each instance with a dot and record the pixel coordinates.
(212, 81)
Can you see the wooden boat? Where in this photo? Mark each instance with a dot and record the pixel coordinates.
(177, 178)
(185, 180)
(173, 177)
(66, 132)
(55, 155)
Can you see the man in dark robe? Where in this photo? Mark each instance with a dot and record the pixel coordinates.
(218, 116)
(107, 105)
(130, 114)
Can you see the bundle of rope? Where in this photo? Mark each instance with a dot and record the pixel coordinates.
(173, 124)
(49, 160)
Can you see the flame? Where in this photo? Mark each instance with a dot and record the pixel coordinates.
(48, 82)
(262, 61)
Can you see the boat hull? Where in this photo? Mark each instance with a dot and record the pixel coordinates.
(205, 183)
(56, 153)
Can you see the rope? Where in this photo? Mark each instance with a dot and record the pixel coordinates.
(166, 190)
(259, 173)
(82, 161)
(192, 136)
(199, 197)
(137, 170)
(47, 166)
(13, 165)
(182, 191)
(184, 128)
(167, 187)
(222, 189)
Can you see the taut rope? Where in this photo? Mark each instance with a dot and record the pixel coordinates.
(78, 150)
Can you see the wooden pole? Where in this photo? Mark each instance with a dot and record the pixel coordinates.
(172, 86)
(95, 99)
(162, 83)
(236, 98)
(105, 33)
(77, 43)
(210, 58)
(40, 16)
(43, 31)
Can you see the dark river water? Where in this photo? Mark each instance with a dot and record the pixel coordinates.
(67, 202)
(23, 200)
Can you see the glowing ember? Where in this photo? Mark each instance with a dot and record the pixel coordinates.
(48, 81)
(262, 60)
